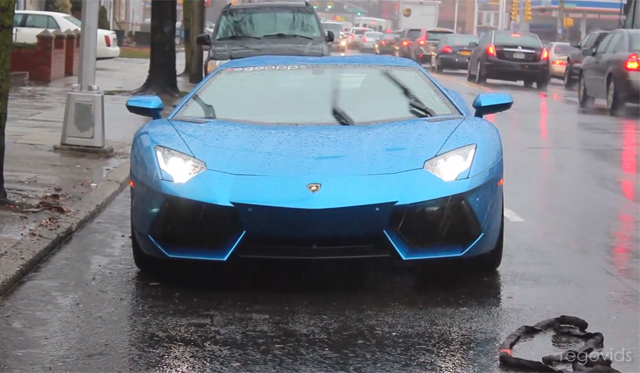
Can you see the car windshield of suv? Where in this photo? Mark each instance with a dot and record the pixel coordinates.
(261, 21)
(523, 40)
(563, 49)
(303, 94)
(335, 27)
(414, 34)
(460, 40)
(360, 31)
(436, 35)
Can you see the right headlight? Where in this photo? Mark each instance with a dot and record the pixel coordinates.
(450, 165)
(181, 167)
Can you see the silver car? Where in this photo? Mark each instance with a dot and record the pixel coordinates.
(355, 36)
(558, 53)
(369, 40)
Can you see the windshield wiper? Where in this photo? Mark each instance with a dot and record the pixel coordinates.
(233, 37)
(209, 111)
(281, 35)
(416, 107)
(340, 115)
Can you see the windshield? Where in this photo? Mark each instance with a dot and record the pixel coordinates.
(389, 36)
(360, 31)
(414, 34)
(335, 27)
(461, 40)
(517, 39)
(634, 42)
(437, 35)
(299, 95)
(373, 35)
(73, 20)
(258, 22)
(563, 49)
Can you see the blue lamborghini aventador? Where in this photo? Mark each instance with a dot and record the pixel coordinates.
(317, 158)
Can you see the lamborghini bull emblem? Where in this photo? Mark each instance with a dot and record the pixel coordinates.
(406, 12)
(313, 187)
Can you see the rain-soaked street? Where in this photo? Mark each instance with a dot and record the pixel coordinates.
(571, 248)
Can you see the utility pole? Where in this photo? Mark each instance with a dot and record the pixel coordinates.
(83, 126)
(501, 13)
(455, 17)
(475, 17)
(561, 30)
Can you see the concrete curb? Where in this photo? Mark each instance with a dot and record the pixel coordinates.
(25, 255)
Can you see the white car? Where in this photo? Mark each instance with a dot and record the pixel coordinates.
(27, 24)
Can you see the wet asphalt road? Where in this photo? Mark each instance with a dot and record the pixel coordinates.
(571, 247)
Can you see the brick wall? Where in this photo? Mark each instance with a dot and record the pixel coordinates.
(54, 56)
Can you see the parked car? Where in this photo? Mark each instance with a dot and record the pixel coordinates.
(336, 29)
(255, 29)
(453, 52)
(407, 38)
(27, 24)
(388, 44)
(511, 56)
(611, 72)
(574, 60)
(355, 37)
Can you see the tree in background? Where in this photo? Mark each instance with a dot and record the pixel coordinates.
(186, 26)
(103, 19)
(162, 78)
(7, 9)
(62, 6)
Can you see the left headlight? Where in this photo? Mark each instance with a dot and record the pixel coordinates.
(179, 166)
(450, 165)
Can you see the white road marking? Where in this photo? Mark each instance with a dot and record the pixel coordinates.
(512, 216)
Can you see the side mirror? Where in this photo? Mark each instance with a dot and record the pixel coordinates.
(146, 106)
(330, 36)
(491, 103)
(576, 45)
(203, 39)
(473, 44)
(589, 51)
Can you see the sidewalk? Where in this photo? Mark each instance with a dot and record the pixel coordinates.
(68, 188)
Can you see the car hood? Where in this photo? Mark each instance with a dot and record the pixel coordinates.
(261, 150)
(229, 50)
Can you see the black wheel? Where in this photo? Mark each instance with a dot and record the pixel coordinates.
(480, 76)
(584, 100)
(542, 84)
(568, 79)
(439, 68)
(528, 83)
(491, 261)
(615, 101)
(144, 262)
(469, 76)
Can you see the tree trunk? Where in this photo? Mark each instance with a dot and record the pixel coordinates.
(186, 26)
(162, 78)
(7, 8)
(197, 28)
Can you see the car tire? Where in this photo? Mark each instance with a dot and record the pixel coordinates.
(469, 76)
(542, 84)
(615, 103)
(528, 83)
(584, 100)
(491, 261)
(568, 80)
(439, 68)
(480, 77)
(144, 262)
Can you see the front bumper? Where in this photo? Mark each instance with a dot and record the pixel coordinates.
(514, 71)
(104, 52)
(557, 70)
(464, 223)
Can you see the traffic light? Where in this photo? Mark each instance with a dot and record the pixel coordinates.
(527, 10)
(359, 14)
(514, 10)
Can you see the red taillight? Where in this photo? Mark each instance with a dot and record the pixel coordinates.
(383, 42)
(545, 54)
(446, 50)
(491, 50)
(632, 63)
(350, 36)
(405, 43)
(107, 40)
(364, 40)
(560, 62)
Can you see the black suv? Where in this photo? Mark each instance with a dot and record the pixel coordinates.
(269, 28)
